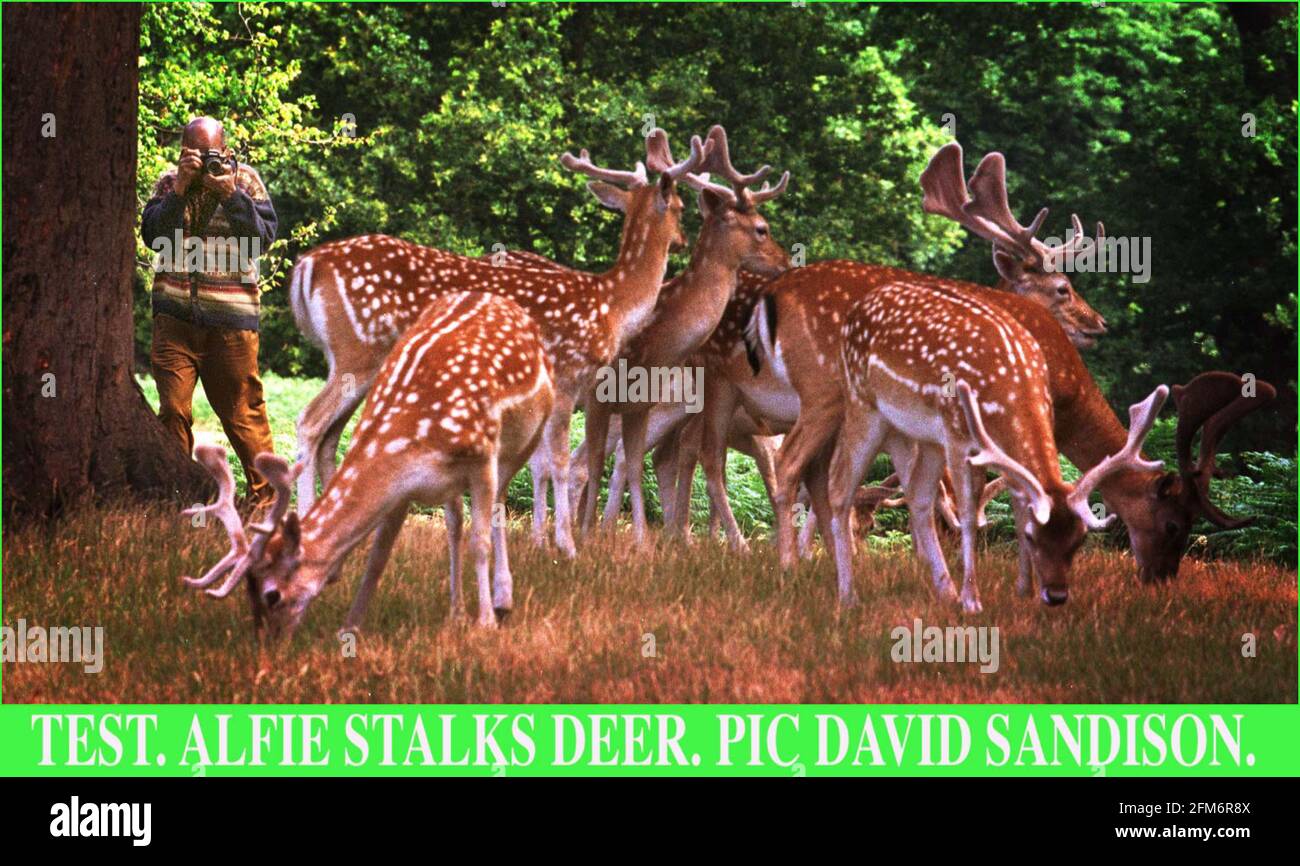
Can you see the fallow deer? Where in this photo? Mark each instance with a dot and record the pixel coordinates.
(459, 405)
(734, 235)
(353, 298)
(927, 374)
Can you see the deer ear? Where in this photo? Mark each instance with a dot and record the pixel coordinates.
(1167, 485)
(612, 197)
(1008, 266)
(292, 531)
(664, 192)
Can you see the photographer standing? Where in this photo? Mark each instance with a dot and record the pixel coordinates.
(210, 219)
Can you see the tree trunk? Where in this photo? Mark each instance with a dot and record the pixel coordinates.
(75, 422)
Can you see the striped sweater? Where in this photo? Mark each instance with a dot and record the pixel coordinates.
(209, 279)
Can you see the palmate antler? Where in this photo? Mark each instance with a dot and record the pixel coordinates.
(984, 209)
(242, 553)
(1212, 402)
(738, 195)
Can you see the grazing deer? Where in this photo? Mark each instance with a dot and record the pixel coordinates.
(948, 379)
(353, 298)
(1158, 509)
(459, 405)
(825, 290)
(734, 235)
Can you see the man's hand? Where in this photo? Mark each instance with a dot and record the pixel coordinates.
(189, 167)
(223, 184)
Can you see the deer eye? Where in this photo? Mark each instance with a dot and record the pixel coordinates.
(272, 597)
(761, 231)
(1063, 292)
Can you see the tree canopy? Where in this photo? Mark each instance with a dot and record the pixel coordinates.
(442, 124)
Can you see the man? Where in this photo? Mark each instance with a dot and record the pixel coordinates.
(209, 219)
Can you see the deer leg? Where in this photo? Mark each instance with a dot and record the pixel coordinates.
(966, 492)
(922, 468)
(482, 496)
(663, 463)
(328, 452)
(331, 408)
(634, 436)
(540, 476)
(816, 426)
(860, 439)
(556, 443)
(808, 531)
(1025, 576)
(719, 412)
(597, 423)
(453, 513)
(617, 486)
(380, 550)
(818, 480)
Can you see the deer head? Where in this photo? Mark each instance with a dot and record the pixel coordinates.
(732, 224)
(1057, 522)
(1169, 503)
(269, 564)
(1026, 265)
(654, 206)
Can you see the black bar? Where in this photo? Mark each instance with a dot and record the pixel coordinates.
(548, 816)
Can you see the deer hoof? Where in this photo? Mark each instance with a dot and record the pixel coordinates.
(502, 613)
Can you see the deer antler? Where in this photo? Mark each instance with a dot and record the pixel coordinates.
(985, 210)
(582, 163)
(242, 553)
(703, 183)
(719, 163)
(1141, 416)
(1212, 402)
(213, 459)
(989, 203)
(281, 476)
(659, 156)
(987, 453)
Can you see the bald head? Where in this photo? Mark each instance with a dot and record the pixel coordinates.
(204, 133)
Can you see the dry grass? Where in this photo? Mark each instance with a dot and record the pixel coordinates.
(726, 628)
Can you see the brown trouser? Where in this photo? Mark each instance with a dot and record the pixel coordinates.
(225, 360)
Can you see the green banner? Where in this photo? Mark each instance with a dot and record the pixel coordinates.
(669, 740)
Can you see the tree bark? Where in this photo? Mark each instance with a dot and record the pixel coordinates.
(75, 424)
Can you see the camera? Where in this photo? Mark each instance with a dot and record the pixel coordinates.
(215, 164)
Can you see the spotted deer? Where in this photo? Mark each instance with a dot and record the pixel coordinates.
(734, 235)
(947, 379)
(353, 298)
(457, 407)
(1157, 508)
